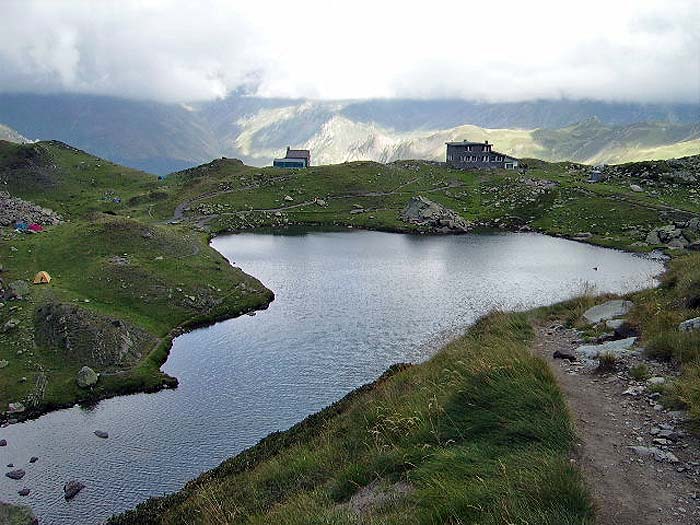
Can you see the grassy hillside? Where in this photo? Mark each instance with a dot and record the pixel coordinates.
(553, 198)
(123, 284)
(478, 434)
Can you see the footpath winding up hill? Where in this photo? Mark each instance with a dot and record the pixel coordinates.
(479, 434)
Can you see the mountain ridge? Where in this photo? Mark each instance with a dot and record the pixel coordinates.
(163, 138)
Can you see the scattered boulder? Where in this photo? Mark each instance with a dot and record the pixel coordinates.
(15, 474)
(288, 198)
(656, 380)
(101, 434)
(321, 202)
(615, 348)
(3, 442)
(9, 325)
(634, 391)
(436, 217)
(13, 209)
(3, 363)
(16, 408)
(690, 325)
(636, 188)
(86, 377)
(18, 290)
(681, 235)
(558, 354)
(72, 488)
(33, 459)
(656, 453)
(606, 311)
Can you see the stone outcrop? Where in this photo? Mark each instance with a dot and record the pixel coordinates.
(434, 216)
(89, 338)
(680, 235)
(13, 209)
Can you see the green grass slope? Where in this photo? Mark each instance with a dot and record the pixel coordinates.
(479, 434)
(226, 195)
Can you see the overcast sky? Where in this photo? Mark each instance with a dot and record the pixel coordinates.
(187, 50)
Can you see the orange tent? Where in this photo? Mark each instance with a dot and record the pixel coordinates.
(42, 278)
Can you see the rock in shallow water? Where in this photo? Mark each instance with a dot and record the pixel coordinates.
(101, 434)
(23, 492)
(15, 474)
(72, 488)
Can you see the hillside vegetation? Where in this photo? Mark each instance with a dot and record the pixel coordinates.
(121, 286)
(479, 433)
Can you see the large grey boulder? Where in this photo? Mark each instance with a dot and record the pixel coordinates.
(425, 212)
(615, 348)
(607, 311)
(690, 325)
(86, 377)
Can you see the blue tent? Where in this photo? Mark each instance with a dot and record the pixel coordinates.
(21, 226)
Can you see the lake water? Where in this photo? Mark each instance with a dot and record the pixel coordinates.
(347, 306)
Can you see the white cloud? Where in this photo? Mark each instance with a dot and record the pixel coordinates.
(643, 50)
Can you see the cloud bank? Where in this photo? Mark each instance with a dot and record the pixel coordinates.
(503, 50)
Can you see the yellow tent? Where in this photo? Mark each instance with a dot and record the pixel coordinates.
(42, 278)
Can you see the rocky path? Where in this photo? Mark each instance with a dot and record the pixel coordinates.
(655, 483)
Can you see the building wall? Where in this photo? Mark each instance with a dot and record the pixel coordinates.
(456, 154)
(289, 163)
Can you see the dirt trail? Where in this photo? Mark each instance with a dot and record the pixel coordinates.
(628, 489)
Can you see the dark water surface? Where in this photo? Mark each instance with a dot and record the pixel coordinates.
(348, 305)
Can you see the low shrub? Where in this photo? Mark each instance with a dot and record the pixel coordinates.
(607, 363)
(640, 372)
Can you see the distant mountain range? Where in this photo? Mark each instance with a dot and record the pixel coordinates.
(162, 138)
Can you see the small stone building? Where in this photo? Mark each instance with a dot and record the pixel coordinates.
(477, 155)
(295, 158)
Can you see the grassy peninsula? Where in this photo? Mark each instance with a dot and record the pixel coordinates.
(123, 284)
